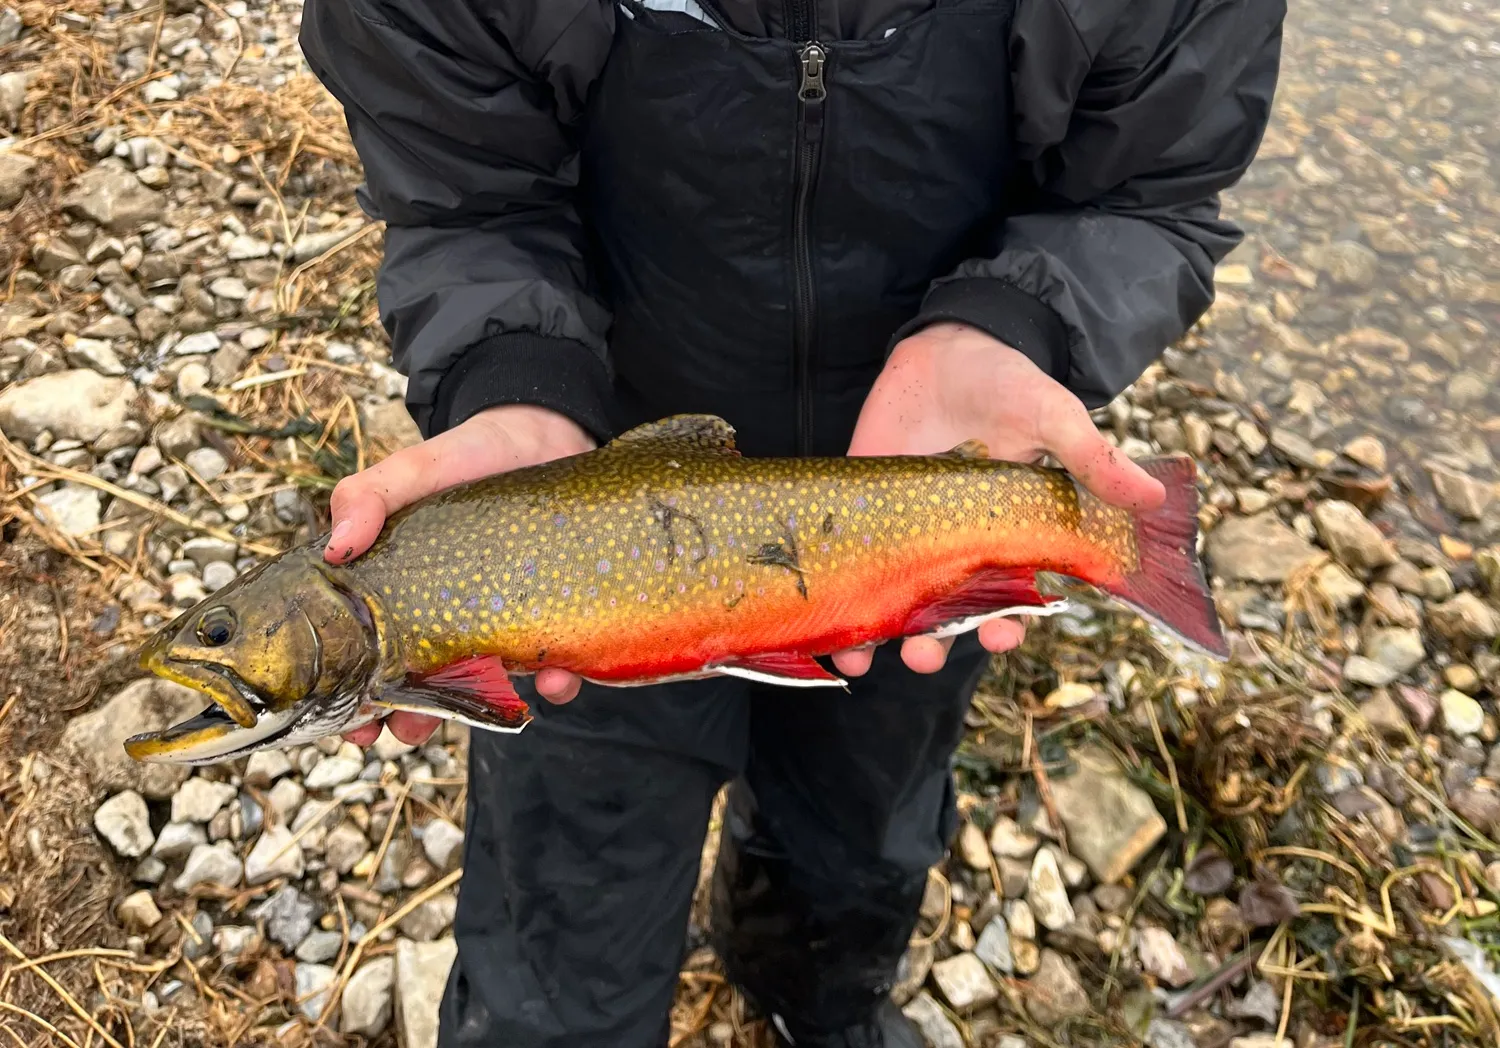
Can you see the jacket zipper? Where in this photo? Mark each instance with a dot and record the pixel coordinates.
(810, 94)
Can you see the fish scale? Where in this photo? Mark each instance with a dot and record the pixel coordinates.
(663, 555)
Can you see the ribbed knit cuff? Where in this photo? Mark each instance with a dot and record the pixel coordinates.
(1003, 311)
(523, 368)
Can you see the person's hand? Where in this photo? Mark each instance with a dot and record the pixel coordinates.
(495, 440)
(950, 383)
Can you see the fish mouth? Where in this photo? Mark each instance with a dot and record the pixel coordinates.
(210, 737)
(220, 683)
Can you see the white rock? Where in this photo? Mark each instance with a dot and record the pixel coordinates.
(266, 766)
(1047, 894)
(1009, 841)
(178, 839)
(275, 855)
(94, 353)
(71, 405)
(1461, 714)
(286, 797)
(313, 981)
(1020, 919)
(138, 911)
(994, 947)
(432, 918)
(443, 843)
(218, 575)
(330, 771)
(421, 977)
(936, 1027)
(200, 800)
(124, 821)
(368, 1000)
(1161, 956)
(206, 462)
(198, 342)
(972, 847)
(245, 247)
(211, 864)
(387, 747)
(234, 940)
(964, 982)
(345, 846)
(72, 509)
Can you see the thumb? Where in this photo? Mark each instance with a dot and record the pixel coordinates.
(360, 503)
(1065, 430)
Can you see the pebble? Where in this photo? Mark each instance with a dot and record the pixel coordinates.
(275, 854)
(71, 509)
(1161, 956)
(286, 797)
(218, 575)
(138, 911)
(1461, 714)
(201, 342)
(1399, 650)
(200, 799)
(964, 982)
(1353, 540)
(1461, 677)
(125, 823)
(431, 918)
(421, 978)
(211, 864)
(1020, 920)
(313, 981)
(319, 946)
(178, 839)
(443, 843)
(1257, 549)
(972, 847)
(993, 947)
(1055, 992)
(266, 766)
(288, 916)
(1261, 1002)
(1046, 893)
(928, 1016)
(331, 771)
(368, 999)
(206, 463)
(1111, 823)
(1009, 841)
(1465, 618)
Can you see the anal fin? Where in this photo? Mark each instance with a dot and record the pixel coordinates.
(476, 691)
(782, 667)
(986, 594)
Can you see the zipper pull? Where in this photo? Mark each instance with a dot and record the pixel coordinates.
(812, 89)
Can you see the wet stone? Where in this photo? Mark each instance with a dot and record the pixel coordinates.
(1353, 540)
(1257, 549)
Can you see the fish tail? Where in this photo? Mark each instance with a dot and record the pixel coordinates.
(1168, 586)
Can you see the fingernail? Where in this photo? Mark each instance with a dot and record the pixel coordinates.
(340, 530)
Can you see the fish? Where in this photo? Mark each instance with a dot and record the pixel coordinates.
(662, 555)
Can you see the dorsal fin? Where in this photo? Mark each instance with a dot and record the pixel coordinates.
(969, 449)
(684, 432)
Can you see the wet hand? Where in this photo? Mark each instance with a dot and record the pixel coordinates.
(496, 440)
(950, 383)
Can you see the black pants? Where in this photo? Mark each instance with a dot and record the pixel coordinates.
(585, 831)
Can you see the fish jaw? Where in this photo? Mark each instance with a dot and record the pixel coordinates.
(208, 738)
(217, 683)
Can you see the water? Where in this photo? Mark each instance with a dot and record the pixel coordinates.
(1366, 299)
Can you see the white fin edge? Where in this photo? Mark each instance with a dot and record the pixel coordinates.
(973, 622)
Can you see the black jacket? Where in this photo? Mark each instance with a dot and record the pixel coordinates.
(581, 194)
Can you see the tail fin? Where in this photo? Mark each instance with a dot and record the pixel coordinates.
(1169, 586)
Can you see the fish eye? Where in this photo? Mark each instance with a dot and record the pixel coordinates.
(216, 627)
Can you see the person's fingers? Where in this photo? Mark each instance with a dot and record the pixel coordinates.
(854, 662)
(412, 728)
(925, 654)
(360, 503)
(1000, 635)
(1065, 429)
(364, 735)
(558, 686)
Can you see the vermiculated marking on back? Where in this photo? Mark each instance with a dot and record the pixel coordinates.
(783, 554)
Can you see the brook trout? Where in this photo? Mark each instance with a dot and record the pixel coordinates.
(663, 555)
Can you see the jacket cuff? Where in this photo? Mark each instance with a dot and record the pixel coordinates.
(524, 368)
(1003, 311)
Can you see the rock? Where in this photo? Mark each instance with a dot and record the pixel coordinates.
(972, 847)
(275, 855)
(1046, 893)
(233, 941)
(178, 839)
(94, 353)
(111, 195)
(928, 1016)
(430, 919)
(1350, 263)
(1111, 823)
(368, 999)
(964, 982)
(138, 911)
(1353, 540)
(443, 843)
(1161, 956)
(1009, 841)
(1055, 992)
(1461, 714)
(1487, 561)
(265, 767)
(211, 864)
(98, 737)
(1168, 1033)
(1465, 618)
(993, 947)
(1261, 1040)
(1463, 496)
(16, 173)
(288, 916)
(201, 342)
(218, 575)
(71, 405)
(1461, 677)
(199, 799)
(344, 847)
(1367, 451)
(246, 247)
(1381, 712)
(286, 797)
(1399, 650)
(1361, 670)
(319, 947)
(1339, 587)
(911, 973)
(331, 771)
(1297, 449)
(205, 550)
(126, 824)
(421, 977)
(206, 462)
(313, 981)
(1261, 1002)
(72, 509)
(1257, 549)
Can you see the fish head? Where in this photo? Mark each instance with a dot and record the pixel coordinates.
(285, 652)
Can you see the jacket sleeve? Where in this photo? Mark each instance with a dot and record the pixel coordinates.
(464, 122)
(1131, 118)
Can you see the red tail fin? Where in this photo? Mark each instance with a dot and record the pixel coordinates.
(1169, 587)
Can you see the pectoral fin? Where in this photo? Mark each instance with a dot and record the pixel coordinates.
(475, 691)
